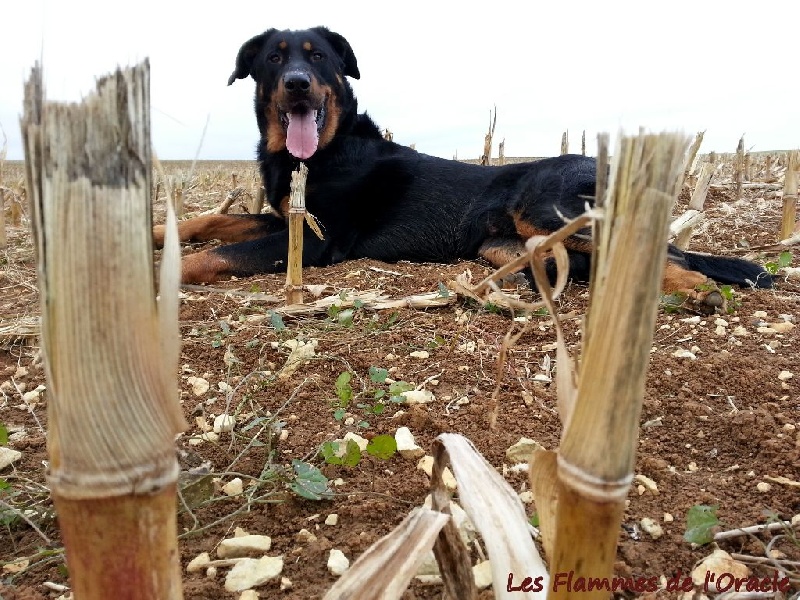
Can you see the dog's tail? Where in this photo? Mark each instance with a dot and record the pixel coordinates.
(723, 269)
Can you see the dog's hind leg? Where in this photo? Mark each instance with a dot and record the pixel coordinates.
(225, 228)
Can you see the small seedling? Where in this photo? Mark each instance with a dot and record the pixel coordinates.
(309, 482)
(700, 520)
(784, 260)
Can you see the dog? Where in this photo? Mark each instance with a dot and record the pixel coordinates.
(377, 199)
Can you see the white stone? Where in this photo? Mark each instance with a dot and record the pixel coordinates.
(653, 529)
(418, 396)
(198, 563)
(523, 450)
(251, 572)
(420, 354)
(199, 385)
(718, 562)
(338, 563)
(406, 445)
(234, 487)
(8, 456)
(249, 595)
(286, 583)
(246, 545)
(224, 423)
(482, 572)
(305, 536)
(332, 519)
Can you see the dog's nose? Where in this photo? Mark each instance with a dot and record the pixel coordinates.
(297, 82)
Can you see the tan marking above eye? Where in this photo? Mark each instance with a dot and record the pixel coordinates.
(282, 45)
(307, 46)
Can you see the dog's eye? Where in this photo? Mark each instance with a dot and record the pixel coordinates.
(317, 55)
(274, 58)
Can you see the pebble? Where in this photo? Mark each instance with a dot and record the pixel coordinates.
(418, 397)
(246, 545)
(420, 354)
(406, 445)
(234, 487)
(251, 572)
(224, 423)
(332, 519)
(653, 529)
(482, 572)
(8, 456)
(360, 441)
(338, 563)
(522, 451)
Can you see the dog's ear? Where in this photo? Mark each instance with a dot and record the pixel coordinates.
(343, 49)
(248, 51)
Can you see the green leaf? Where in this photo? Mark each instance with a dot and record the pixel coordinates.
(4, 485)
(334, 310)
(378, 408)
(785, 259)
(363, 424)
(343, 388)
(443, 291)
(378, 375)
(339, 414)
(379, 394)
(396, 390)
(382, 446)
(3, 434)
(357, 304)
(309, 483)
(699, 521)
(334, 454)
(534, 520)
(277, 321)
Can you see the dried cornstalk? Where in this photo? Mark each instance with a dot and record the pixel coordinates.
(486, 157)
(3, 239)
(790, 196)
(257, 201)
(738, 173)
(691, 157)
(501, 153)
(683, 227)
(583, 143)
(111, 351)
(596, 457)
(565, 142)
(297, 214)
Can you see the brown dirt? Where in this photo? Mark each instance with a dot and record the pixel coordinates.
(713, 428)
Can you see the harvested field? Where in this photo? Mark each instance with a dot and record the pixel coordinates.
(720, 423)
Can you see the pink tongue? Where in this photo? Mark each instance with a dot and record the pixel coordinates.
(301, 135)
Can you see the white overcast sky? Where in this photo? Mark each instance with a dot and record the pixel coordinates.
(431, 71)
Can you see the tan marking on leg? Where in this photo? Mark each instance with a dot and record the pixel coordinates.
(500, 255)
(204, 267)
(678, 279)
(527, 230)
(225, 228)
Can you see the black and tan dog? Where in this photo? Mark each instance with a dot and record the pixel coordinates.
(380, 200)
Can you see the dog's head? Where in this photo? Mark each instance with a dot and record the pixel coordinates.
(300, 86)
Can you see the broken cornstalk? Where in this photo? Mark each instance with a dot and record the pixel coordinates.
(790, 197)
(297, 214)
(595, 461)
(111, 351)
